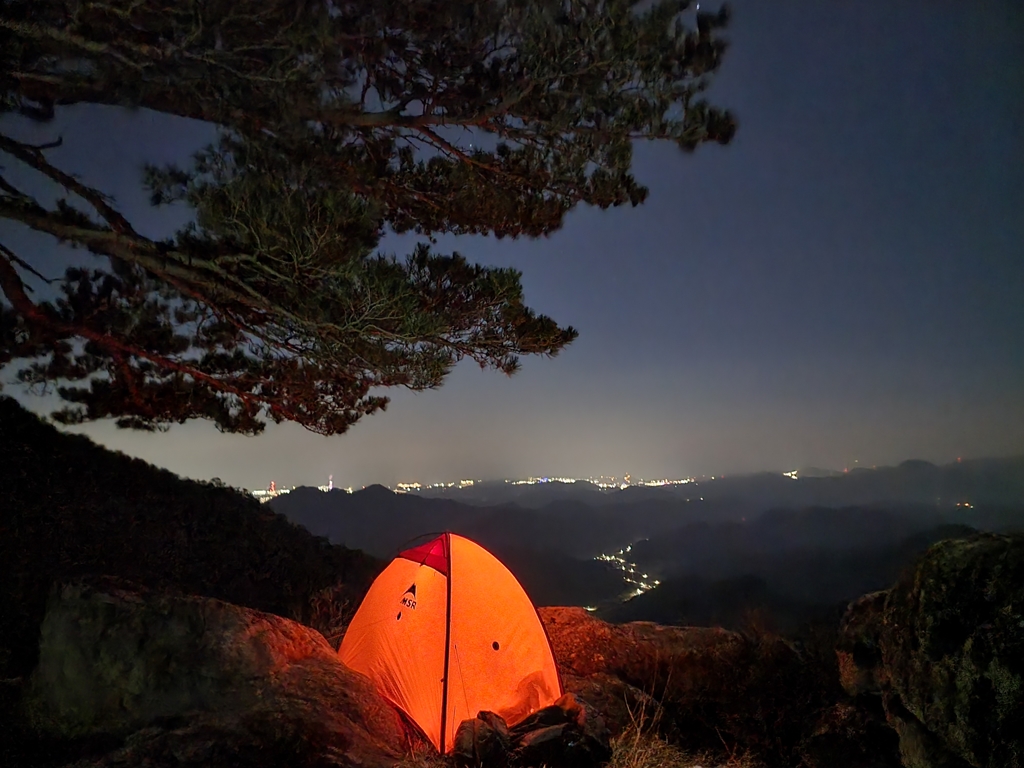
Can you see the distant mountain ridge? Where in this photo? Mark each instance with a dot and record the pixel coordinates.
(381, 522)
(585, 523)
(976, 481)
(551, 549)
(738, 528)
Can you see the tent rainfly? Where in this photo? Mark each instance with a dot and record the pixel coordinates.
(445, 632)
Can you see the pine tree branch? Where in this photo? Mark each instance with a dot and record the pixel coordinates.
(276, 293)
(179, 269)
(33, 157)
(393, 118)
(47, 33)
(14, 290)
(446, 146)
(5, 251)
(11, 190)
(157, 259)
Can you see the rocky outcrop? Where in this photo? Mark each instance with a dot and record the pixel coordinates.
(918, 747)
(849, 736)
(945, 650)
(619, 703)
(164, 680)
(640, 653)
(195, 681)
(858, 651)
(707, 685)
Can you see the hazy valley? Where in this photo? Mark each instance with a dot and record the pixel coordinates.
(723, 551)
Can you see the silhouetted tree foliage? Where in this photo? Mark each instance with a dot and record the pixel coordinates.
(339, 121)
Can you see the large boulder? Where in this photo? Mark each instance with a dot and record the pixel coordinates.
(945, 649)
(199, 681)
(620, 704)
(850, 736)
(584, 645)
(953, 645)
(918, 747)
(711, 685)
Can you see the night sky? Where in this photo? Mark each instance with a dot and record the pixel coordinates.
(844, 282)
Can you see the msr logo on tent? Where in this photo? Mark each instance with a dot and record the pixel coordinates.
(409, 598)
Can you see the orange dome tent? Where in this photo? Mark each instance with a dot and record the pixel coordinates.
(445, 632)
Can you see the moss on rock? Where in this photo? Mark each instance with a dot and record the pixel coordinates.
(953, 646)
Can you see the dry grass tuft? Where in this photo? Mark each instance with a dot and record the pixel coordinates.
(329, 613)
(426, 757)
(636, 748)
(642, 748)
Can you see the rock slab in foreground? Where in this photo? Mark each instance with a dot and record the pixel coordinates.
(711, 685)
(197, 681)
(585, 645)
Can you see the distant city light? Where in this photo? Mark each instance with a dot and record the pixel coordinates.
(638, 584)
(602, 482)
(264, 495)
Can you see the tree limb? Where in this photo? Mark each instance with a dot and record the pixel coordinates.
(158, 260)
(393, 118)
(33, 157)
(4, 250)
(36, 32)
(14, 290)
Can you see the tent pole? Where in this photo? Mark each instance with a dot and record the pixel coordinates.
(447, 644)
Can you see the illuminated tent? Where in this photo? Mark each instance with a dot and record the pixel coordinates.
(445, 632)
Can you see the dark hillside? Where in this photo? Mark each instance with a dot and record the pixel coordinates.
(382, 523)
(70, 508)
(988, 482)
(718, 550)
(549, 550)
(783, 590)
